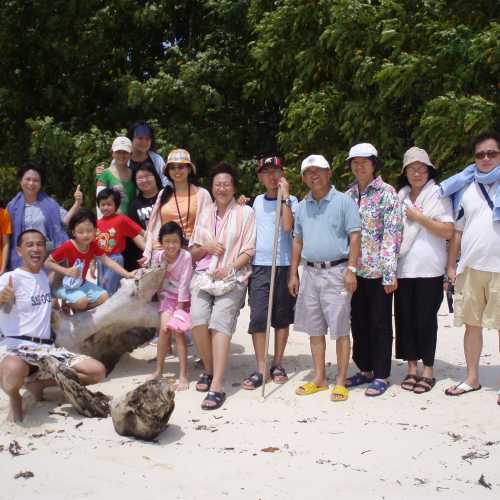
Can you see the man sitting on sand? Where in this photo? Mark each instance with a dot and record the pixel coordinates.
(25, 309)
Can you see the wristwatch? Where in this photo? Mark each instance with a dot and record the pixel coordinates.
(287, 202)
(352, 269)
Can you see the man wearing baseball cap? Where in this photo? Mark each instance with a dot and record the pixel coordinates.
(270, 174)
(327, 238)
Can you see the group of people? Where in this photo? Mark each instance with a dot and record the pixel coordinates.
(358, 250)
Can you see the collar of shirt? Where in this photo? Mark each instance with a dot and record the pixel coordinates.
(376, 184)
(328, 197)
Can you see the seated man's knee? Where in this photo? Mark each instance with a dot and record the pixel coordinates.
(90, 371)
(13, 373)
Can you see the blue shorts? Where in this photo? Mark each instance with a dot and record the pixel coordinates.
(87, 291)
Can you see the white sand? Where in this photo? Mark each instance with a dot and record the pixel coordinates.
(400, 445)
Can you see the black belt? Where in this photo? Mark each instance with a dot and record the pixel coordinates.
(325, 265)
(36, 340)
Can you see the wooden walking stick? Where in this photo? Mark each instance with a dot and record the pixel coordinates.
(277, 222)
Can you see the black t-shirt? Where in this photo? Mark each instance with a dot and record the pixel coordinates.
(139, 211)
(134, 165)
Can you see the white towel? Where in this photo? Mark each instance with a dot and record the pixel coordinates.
(428, 202)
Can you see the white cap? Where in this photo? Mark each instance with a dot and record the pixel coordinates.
(122, 144)
(313, 161)
(365, 150)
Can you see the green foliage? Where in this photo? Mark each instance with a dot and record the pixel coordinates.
(237, 79)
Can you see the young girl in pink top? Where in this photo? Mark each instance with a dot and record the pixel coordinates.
(174, 299)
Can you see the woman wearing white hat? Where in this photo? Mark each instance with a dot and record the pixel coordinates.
(428, 223)
(118, 176)
(371, 306)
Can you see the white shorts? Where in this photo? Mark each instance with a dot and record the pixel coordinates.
(323, 302)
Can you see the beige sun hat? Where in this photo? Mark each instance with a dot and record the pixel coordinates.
(180, 156)
(416, 154)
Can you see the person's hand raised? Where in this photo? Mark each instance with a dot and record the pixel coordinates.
(78, 195)
(7, 294)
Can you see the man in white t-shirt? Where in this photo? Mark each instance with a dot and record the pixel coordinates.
(25, 309)
(477, 237)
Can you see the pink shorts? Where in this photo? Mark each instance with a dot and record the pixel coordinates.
(167, 304)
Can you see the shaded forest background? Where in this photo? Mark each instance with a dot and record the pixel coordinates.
(236, 79)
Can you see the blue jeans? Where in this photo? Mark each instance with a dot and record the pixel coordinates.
(108, 279)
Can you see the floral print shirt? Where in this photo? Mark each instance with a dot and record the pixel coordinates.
(381, 230)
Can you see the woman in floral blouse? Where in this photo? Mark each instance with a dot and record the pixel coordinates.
(371, 307)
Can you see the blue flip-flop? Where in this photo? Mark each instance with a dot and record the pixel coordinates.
(358, 379)
(377, 385)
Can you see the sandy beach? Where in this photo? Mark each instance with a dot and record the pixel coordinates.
(400, 445)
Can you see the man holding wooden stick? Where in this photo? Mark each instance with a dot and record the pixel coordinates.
(327, 237)
(270, 174)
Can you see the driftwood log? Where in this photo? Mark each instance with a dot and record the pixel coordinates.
(144, 412)
(124, 322)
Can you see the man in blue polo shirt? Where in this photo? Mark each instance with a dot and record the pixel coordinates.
(327, 238)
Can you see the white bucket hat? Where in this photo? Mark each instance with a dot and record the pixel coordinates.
(314, 161)
(416, 154)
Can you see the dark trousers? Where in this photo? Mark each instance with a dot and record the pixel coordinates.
(371, 327)
(416, 307)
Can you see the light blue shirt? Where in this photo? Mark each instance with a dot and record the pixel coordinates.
(325, 226)
(265, 215)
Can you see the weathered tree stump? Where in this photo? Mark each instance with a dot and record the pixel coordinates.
(124, 322)
(144, 412)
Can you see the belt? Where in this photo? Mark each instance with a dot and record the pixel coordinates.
(325, 265)
(36, 340)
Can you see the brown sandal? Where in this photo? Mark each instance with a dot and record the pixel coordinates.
(425, 384)
(409, 382)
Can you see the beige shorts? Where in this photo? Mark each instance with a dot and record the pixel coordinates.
(323, 303)
(219, 313)
(477, 299)
(30, 353)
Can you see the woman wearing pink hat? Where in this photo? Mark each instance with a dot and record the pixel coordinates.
(428, 223)
(181, 203)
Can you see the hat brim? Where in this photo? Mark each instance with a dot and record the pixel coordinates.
(184, 162)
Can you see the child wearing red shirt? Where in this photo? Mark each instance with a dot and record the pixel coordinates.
(112, 231)
(77, 253)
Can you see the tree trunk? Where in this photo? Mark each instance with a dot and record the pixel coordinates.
(124, 322)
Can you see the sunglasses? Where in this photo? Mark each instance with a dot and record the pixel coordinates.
(491, 153)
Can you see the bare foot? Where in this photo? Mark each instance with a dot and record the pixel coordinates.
(154, 376)
(16, 409)
(182, 384)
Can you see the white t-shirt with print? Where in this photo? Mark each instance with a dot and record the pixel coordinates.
(480, 248)
(30, 313)
(427, 257)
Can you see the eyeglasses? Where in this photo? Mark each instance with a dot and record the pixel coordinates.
(144, 178)
(417, 170)
(225, 185)
(491, 154)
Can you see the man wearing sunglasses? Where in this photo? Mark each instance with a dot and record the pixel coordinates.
(475, 193)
